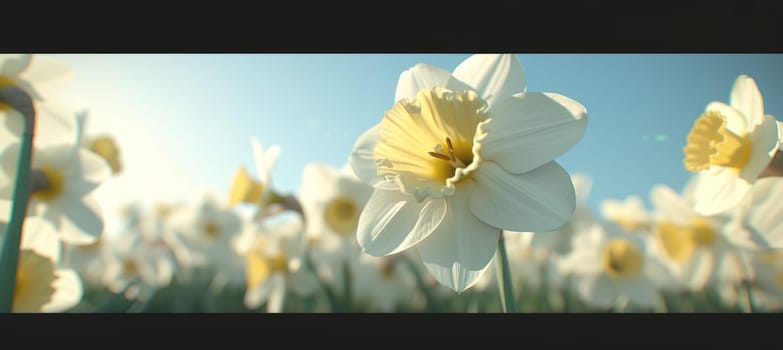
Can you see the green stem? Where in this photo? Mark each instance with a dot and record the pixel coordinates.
(346, 286)
(504, 277)
(751, 305)
(9, 255)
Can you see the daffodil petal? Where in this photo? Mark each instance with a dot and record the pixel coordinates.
(92, 167)
(68, 292)
(81, 221)
(766, 214)
(361, 159)
(277, 295)
(13, 64)
(460, 249)
(54, 125)
(746, 98)
(669, 204)
(318, 182)
(257, 295)
(265, 161)
(40, 236)
(765, 144)
(418, 77)
(540, 200)
(495, 77)
(47, 76)
(393, 221)
(528, 130)
(718, 191)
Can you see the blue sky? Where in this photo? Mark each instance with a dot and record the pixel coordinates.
(185, 120)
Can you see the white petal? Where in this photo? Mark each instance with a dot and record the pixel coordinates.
(528, 130)
(670, 205)
(81, 221)
(600, 291)
(40, 236)
(361, 158)
(765, 144)
(47, 76)
(734, 121)
(746, 98)
(265, 162)
(11, 65)
(494, 76)
(68, 292)
(718, 191)
(277, 295)
(418, 77)
(92, 167)
(766, 215)
(461, 248)
(539, 200)
(318, 182)
(393, 221)
(8, 161)
(257, 295)
(54, 124)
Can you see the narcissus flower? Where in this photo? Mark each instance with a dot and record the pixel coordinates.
(41, 285)
(44, 79)
(729, 146)
(246, 189)
(611, 264)
(461, 156)
(274, 261)
(62, 180)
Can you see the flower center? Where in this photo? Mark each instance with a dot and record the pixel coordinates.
(244, 189)
(622, 259)
(211, 229)
(387, 266)
(105, 147)
(4, 81)
(342, 215)
(130, 267)
(426, 144)
(34, 282)
(711, 143)
(679, 242)
(46, 183)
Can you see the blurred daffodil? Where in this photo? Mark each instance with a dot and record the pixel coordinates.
(630, 214)
(273, 265)
(41, 284)
(611, 265)
(62, 179)
(44, 79)
(461, 156)
(729, 146)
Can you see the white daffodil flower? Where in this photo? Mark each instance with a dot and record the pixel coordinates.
(460, 157)
(245, 189)
(729, 146)
(699, 249)
(332, 200)
(41, 284)
(62, 179)
(133, 267)
(274, 266)
(203, 234)
(610, 263)
(44, 79)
